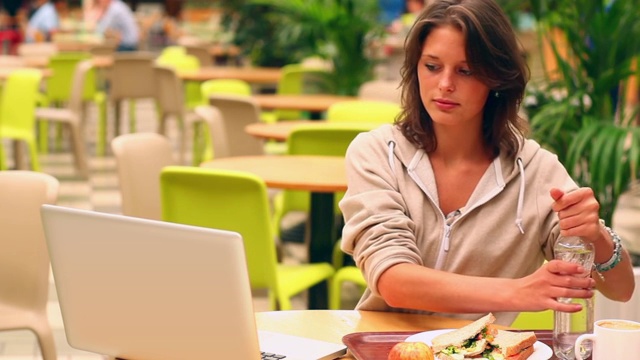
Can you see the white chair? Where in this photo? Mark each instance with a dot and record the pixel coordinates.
(73, 116)
(139, 159)
(24, 260)
(171, 103)
(238, 112)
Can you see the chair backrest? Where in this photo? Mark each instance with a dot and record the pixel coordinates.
(19, 97)
(367, 111)
(227, 200)
(131, 76)
(300, 79)
(202, 53)
(63, 66)
(181, 61)
(169, 93)
(225, 86)
(24, 260)
(238, 112)
(320, 139)
(324, 139)
(139, 159)
(82, 85)
(384, 90)
(217, 131)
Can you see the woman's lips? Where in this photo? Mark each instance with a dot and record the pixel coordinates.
(444, 104)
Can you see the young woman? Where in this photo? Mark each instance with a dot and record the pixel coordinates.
(451, 210)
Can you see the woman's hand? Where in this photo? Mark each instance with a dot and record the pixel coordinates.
(555, 279)
(578, 212)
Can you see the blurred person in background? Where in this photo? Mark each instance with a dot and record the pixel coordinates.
(116, 22)
(43, 21)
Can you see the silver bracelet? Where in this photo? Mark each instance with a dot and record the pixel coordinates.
(615, 257)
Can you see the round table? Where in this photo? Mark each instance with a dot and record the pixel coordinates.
(279, 130)
(254, 75)
(302, 102)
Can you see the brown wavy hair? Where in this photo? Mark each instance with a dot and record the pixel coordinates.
(493, 55)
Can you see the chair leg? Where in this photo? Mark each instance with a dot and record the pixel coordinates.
(118, 108)
(46, 342)
(335, 293)
(132, 116)
(79, 151)
(43, 137)
(102, 129)
(33, 153)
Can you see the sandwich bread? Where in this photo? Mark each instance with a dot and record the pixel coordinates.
(480, 340)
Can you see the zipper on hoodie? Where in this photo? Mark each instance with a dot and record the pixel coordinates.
(445, 242)
(444, 247)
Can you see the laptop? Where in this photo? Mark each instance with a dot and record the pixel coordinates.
(141, 289)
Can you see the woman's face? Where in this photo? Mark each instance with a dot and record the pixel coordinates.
(450, 92)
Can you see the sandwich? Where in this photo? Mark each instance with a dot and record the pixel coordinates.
(465, 342)
(510, 345)
(480, 340)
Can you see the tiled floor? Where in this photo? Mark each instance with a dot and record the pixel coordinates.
(100, 193)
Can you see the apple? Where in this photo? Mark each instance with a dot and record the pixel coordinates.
(411, 351)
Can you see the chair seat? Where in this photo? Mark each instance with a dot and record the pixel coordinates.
(293, 279)
(15, 317)
(57, 114)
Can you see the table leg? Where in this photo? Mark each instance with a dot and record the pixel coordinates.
(322, 235)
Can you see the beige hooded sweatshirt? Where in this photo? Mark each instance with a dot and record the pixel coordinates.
(507, 229)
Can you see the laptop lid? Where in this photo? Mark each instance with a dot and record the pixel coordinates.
(141, 289)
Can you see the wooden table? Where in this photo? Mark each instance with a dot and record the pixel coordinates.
(253, 75)
(278, 131)
(42, 62)
(333, 325)
(322, 176)
(314, 103)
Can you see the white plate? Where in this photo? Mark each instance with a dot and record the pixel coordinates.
(540, 350)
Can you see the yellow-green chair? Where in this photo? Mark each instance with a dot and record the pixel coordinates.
(343, 274)
(367, 111)
(237, 201)
(58, 89)
(297, 79)
(17, 112)
(313, 139)
(540, 320)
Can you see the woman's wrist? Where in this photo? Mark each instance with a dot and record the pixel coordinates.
(616, 254)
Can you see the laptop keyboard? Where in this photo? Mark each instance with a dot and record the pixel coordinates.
(270, 356)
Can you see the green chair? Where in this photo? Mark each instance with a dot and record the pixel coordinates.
(17, 112)
(367, 111)
(297, 79)
(58, 89)
(343, 274)
(237, 201)
(313, 139)
(541, 320)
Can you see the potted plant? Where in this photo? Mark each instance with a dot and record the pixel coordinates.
(582, 116)
(342, 31)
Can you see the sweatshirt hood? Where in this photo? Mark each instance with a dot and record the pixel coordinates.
(512, 168)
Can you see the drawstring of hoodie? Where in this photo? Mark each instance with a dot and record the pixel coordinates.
(391, 145)
(520, 196)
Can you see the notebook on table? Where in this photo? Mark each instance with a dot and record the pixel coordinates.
(141, 289)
